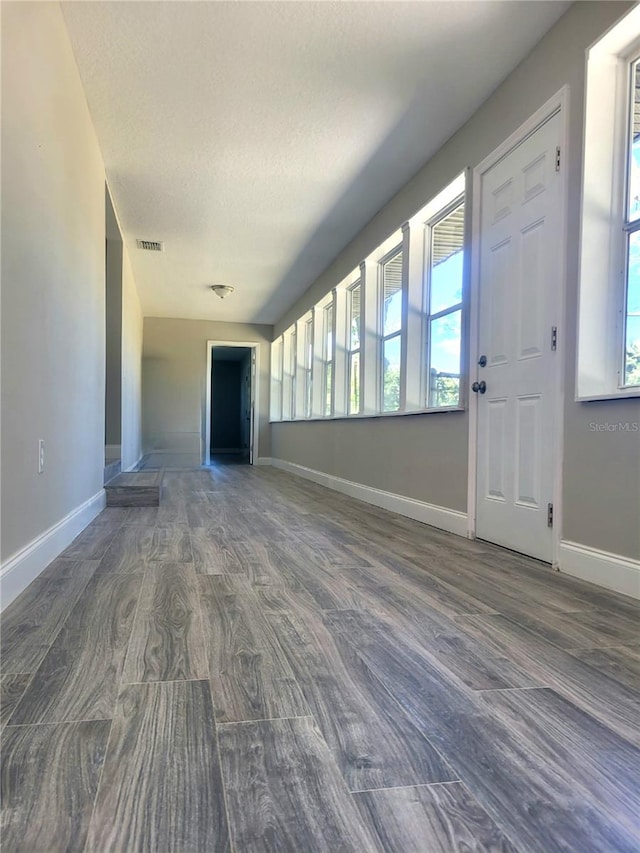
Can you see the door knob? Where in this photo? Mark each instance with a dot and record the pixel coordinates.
(479, 387)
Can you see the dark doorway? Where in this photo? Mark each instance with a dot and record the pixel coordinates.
(230, 405)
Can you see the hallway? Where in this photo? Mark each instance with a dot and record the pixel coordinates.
(263, 664)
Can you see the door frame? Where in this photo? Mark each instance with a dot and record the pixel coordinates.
(558, 103)
(255, 395)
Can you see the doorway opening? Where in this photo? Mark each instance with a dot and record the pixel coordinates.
(230, 433)
(113, 343)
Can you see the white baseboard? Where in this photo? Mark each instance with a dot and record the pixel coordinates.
(17, 572)
(620, 574)
(263, 461)
(436, 516)
(113, 451)
(134, 466)
(165, 452)
(174, 442)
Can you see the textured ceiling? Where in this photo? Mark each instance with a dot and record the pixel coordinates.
(257, 138)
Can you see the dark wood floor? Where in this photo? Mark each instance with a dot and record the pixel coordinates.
(260, 664)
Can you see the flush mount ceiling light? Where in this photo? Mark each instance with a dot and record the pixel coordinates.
(222, 290)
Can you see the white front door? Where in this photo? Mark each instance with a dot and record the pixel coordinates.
(520, 285)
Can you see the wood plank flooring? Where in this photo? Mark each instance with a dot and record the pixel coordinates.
(261, 664)
(161, 787)
(166, 641)
(430, 817)
(285, 792)
(50, 779)
(250, 676)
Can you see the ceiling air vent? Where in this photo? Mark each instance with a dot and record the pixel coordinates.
(150, 245)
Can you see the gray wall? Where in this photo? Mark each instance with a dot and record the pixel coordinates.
(396, 454)
(174, 380)
(53, 285)
(53, 267)
(601, 469)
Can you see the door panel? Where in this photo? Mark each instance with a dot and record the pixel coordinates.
(519, 298)
(497, 291)
(496, 411)
(528, 417)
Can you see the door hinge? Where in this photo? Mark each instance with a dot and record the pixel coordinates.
(549, 515)
(554, 338)
(558, 159)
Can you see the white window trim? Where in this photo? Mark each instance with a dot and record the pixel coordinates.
(400, 333)
(328, 357)
(288, 373)
(277, 379)
(602, 288)
(417, 328)
(458, 306)
(306, 326)
(351, 351)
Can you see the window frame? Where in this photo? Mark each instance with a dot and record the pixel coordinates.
(328, 355)
(288, 338)
(277, 379)
(459, 201)
(353, 351)
(629, 227)
(399, 333)
(602, 299)
(307, 366)
(294, 371)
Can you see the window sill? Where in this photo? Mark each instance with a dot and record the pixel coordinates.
(618, 394)
(369, 416)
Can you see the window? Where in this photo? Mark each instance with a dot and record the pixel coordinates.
(631, 227)
(386, 340)
(308, 366)
(391, 327)
(276, 380)
(444, 321)
(288, 373)
(353, 348)
(327, 360)
(293, 369)
(608, 362)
